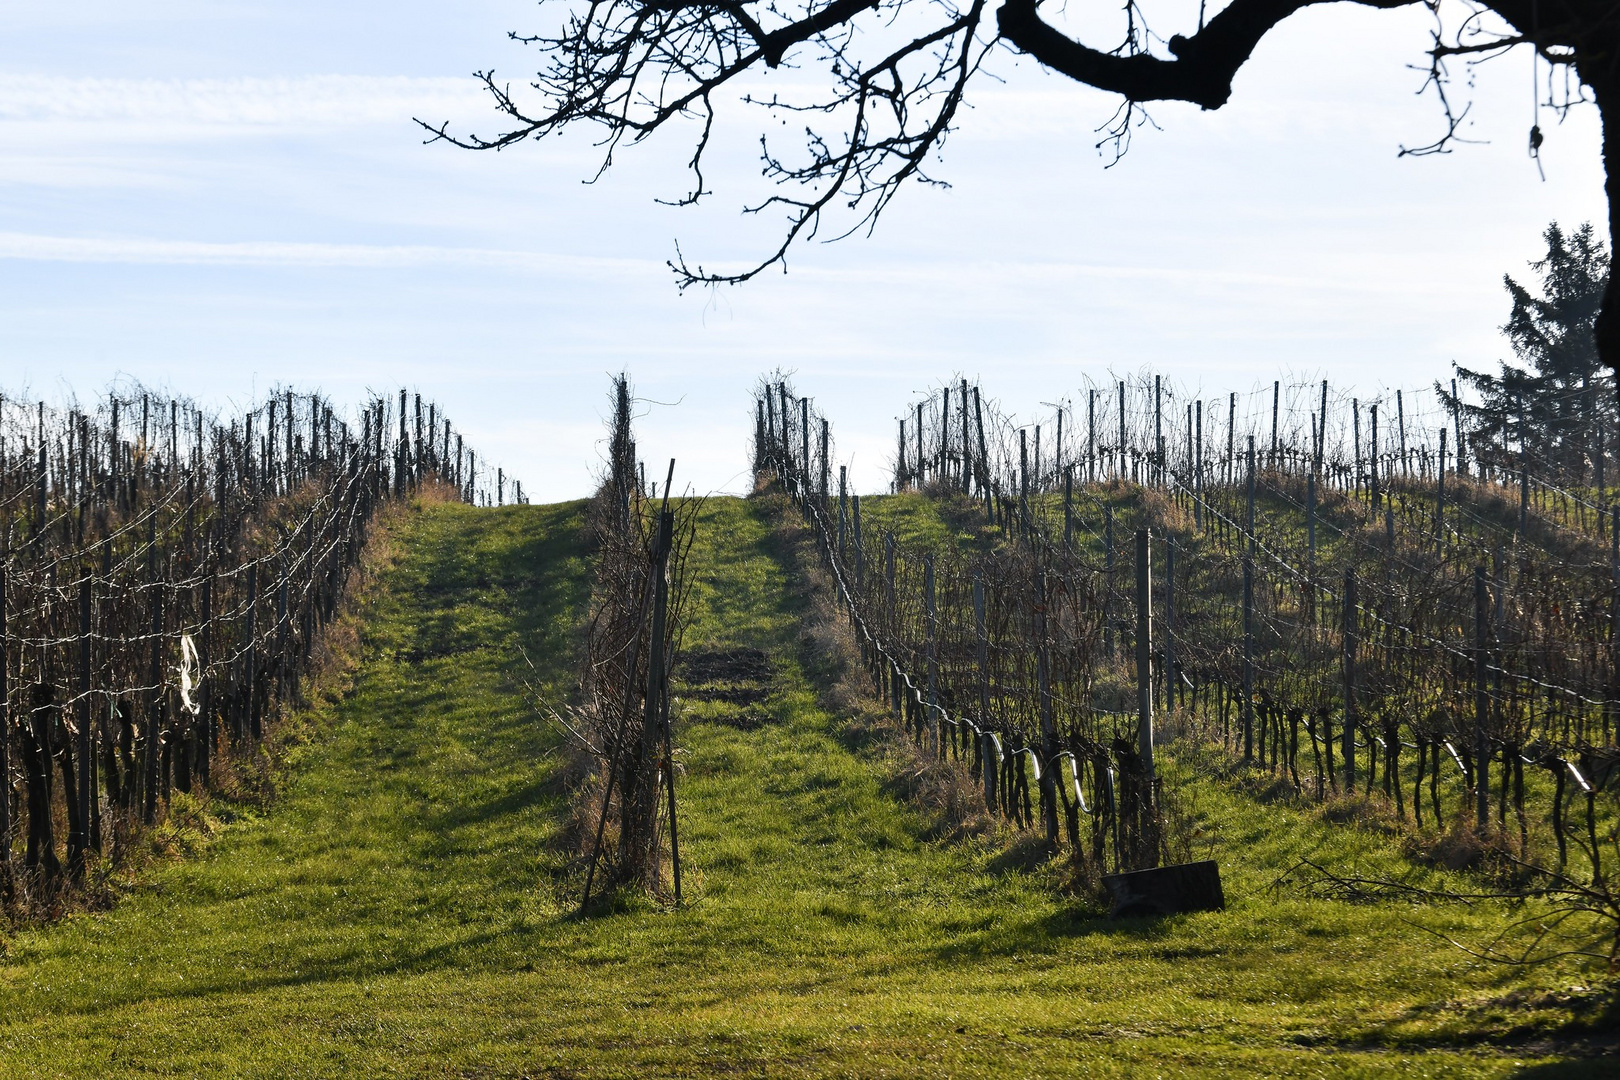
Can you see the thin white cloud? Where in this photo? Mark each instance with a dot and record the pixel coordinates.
(270, 253)
(319, 101)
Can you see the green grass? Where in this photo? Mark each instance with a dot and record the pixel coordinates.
(396, 912)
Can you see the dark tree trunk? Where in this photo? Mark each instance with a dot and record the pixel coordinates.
(1607, 92)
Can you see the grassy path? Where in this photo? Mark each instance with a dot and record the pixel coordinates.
(393, 914)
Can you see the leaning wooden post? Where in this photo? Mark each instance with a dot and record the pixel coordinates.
(1482, 640)
(804, 448)
(1149, 855)
(1400, 423)
(1348, 747)
(666, 534)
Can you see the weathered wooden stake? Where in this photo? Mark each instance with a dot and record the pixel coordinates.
(1350, 631)
(1149, 854)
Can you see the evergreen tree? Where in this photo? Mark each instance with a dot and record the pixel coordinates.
(1556, 406)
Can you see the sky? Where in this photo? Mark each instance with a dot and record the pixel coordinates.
(217, 198)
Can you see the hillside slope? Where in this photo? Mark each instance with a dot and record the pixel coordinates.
(397, 912)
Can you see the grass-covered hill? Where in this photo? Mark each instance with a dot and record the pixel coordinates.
(403, 908)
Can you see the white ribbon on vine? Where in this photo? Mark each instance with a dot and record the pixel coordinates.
(189, 675)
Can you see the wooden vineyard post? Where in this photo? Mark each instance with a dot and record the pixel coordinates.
(1372, 456)
(1231, 437)
(1091, 436)
(1248, 659)
(900, 472)
(281, 633)
(666, 535)
(87, 761)
(1149, 854)
(1348, 745)
(1048, 726)
(803, 470)
(1108, 581)
(1170, 687)
(152, 744)
(252, 702)
(1321, 440)
(1198, 466)
(1524, 496)
(1158, 432)
(843, 511)
(984, 453)
(860, 546)
(931, 626)
(1187, 472)
(1023, 480)
(1614, 617)
(922, 470)
(1248, 515)
(1310, 545)
(826, 466)
(1482, 704)
(1276, 402)
(1057, 446)
(1400, 422)
(1440, 501)
(209, 735)
(5, 740)
(1355, 440)
(967, 452)
(1068, 508)
(1456, 416)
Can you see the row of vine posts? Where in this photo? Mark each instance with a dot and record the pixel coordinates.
(165, 579)
(1332, 595)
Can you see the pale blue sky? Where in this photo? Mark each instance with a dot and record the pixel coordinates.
(219, 197)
